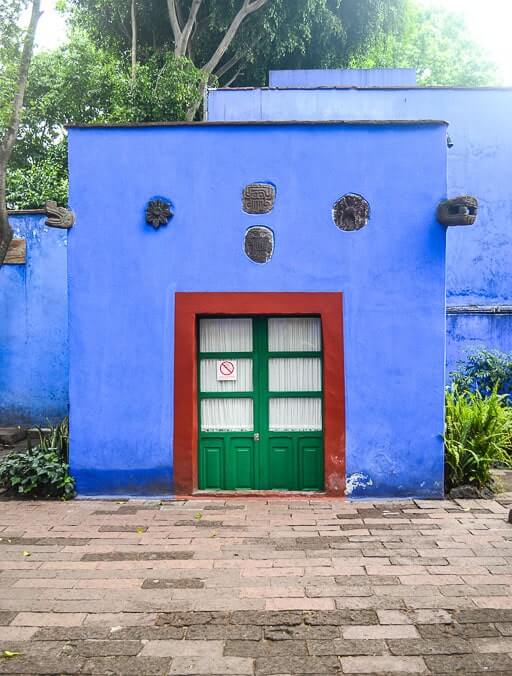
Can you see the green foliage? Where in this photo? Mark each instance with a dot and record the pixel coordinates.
(477, 432)
(486, 371)
(41, 472)
(435, 42)
(81, 83)
(10, 50)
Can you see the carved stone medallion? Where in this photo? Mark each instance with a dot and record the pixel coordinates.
(458, 211)
(259, 243)
(258, 198)
(158, 212)
(351, 212)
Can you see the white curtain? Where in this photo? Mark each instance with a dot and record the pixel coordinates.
(223, 415)
(209, 382)
(299, 414)
(225, 335)
(295, 374)
(287, 334)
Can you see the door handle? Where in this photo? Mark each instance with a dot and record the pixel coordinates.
(256, 436)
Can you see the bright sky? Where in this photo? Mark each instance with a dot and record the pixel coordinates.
(489, 23)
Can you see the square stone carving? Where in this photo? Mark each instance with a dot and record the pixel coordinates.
(258, 198)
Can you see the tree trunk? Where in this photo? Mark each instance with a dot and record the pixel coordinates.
(134, 40)
(10, 134)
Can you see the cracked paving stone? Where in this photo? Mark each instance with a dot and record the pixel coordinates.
(178, 583)
(137, 556)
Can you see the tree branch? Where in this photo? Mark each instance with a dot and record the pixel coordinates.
(222, 70)
(11, 132)
(175, 24)
(248, 7)
(134, 39)
(187, 30)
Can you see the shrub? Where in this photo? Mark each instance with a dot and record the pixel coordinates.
(485, 371)
(477, 432)
(41, 472)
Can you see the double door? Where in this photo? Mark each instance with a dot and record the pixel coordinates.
(260, 403)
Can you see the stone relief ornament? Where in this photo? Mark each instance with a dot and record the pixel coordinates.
(58, 217)
(258, 198)
(259, 244)
(158, 212)
(458, 211)
(351, 212)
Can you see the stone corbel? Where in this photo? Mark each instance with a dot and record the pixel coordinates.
(458, 211)
(58, 217)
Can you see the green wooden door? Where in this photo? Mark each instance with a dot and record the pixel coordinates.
(260, 403)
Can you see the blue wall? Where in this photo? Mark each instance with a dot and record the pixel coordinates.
(479, 269)
(337, 77)
(123, 276)
(33, 327)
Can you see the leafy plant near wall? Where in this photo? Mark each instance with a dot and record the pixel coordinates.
(478, 429)
(486, 371)
(43, 471)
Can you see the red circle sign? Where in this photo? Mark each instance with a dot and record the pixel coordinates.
(227, 368)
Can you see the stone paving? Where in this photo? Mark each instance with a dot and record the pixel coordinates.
(256, 586)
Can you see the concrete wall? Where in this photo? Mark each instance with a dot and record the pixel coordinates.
(33, 327)
(123, 276)
(479, 271)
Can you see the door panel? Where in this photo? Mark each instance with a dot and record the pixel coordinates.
(311, 469)
(240, 464)
(282, 463)
(211, 465)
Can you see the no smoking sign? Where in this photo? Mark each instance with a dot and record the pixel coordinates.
(226, 369)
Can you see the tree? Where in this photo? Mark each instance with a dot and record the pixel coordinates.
(236, 41)
(435, 42)
(12, 113)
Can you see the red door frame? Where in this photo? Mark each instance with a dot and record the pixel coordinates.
(191, 305)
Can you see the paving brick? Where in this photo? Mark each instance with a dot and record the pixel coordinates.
(6, 617)
(393, 617)
(264, 666)
(383, 664)
(44, 664)
(221, 666)
(464, 664)
(49, 619)
(442, 646)
(149, 666)
(492, 645)
(172, 648)
(341, 617)
(214, 632)
(347, 647)
(265, 648)
(388, 631)
(107, 648)
(179, 583)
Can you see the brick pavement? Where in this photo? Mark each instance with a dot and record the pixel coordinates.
(256, 586)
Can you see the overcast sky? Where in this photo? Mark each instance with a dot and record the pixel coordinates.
(489, 23)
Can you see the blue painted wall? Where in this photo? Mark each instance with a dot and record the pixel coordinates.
(123, 276)
(33, 327)
(479, 271)
(338, 77)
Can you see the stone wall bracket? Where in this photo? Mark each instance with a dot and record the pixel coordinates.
(58, 217)
(457, 211)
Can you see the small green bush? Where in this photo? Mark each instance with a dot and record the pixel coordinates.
(477, 432)
(485, 371)
(37, 473)
(43, 471)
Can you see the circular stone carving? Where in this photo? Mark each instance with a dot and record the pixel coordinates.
(351, 212)
(259, 244)
(158, 212)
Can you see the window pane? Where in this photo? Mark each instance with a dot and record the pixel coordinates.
(225, 335)
(286, 334)
(226, 415)
(243, 382)
(289, 374)
(295, 414)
